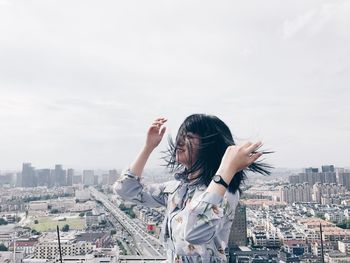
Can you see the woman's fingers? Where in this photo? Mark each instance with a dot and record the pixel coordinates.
(159, 122)
(247, 144)
(253, 147)
(158, 127)
(255, 156)
(162, 130)
(160, 119)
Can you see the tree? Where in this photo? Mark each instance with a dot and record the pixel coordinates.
(34, 232)
(36, 221)
(65, 228)
(82, 214)
(122, 206)
(113, 232)
(3, 247)
(344, 225)
(320, 215)
(3, 221)
(132, 214)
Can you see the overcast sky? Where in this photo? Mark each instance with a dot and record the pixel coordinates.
(80, 81)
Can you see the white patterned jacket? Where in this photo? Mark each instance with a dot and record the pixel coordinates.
(197, 224)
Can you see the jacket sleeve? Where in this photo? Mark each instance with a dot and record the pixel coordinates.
(129, 187)
(207, 215)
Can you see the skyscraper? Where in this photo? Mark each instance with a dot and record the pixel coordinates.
(330, 177)
(344, 179)
(70, 174)
(77, 179)
(88, 177)
(19, 180)
(59, 176)
(44, 178)
(113, 175)
(296, 193)
(28, 175)
(238, 233)
(328, 168)
(311, 170)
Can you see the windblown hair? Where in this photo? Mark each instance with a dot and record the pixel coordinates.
(215, 137)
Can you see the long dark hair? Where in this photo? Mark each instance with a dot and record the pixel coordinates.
(215, 137)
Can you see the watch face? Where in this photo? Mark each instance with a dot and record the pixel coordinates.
(216, 178)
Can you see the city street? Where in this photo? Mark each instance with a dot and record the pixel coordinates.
(144, 243)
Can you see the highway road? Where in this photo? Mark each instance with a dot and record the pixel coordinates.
(145, 243)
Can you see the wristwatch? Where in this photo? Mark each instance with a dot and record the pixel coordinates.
(218, 179)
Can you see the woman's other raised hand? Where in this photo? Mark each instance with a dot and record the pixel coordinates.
(239, 157)
(155, 133)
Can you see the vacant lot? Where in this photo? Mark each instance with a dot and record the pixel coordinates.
(50, 223)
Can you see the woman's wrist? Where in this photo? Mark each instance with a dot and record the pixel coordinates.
(148, 149)
(227, 175)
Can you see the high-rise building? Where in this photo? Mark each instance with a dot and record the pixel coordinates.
(88, 177)
(296, 193)
(330, 177)
(104, 179)
(317, 192)
(113, 176)
(327, 176)
(328, 168)
(19, 182)
(343, 179)
(323, 190)
(77, 179)
(59, 176)
(305, 192)
(7, 178)
(70, 174)
(238, 233)
(294, 179)
(28, 175)
(311, 170)
(44, 178)
(96, 179)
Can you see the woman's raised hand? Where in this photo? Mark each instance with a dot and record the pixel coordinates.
(239, 157)
(155, 133)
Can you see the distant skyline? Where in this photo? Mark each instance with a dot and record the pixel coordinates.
(81, 81)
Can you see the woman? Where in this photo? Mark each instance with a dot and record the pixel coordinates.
(201, 201)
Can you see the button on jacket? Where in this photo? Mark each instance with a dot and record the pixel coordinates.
(197, 224)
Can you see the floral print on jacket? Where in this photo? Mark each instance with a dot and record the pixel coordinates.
(197, 224)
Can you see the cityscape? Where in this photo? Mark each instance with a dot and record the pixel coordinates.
(63, 215)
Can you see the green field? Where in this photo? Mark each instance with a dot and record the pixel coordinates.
(50, 224)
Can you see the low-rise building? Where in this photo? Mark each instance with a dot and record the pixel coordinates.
(344, 247)
(336, 257)
(38, 206)
(82, 195)
(335, 216)
(47, 248)
(316, 248)
(26, 245)
(293, 238)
